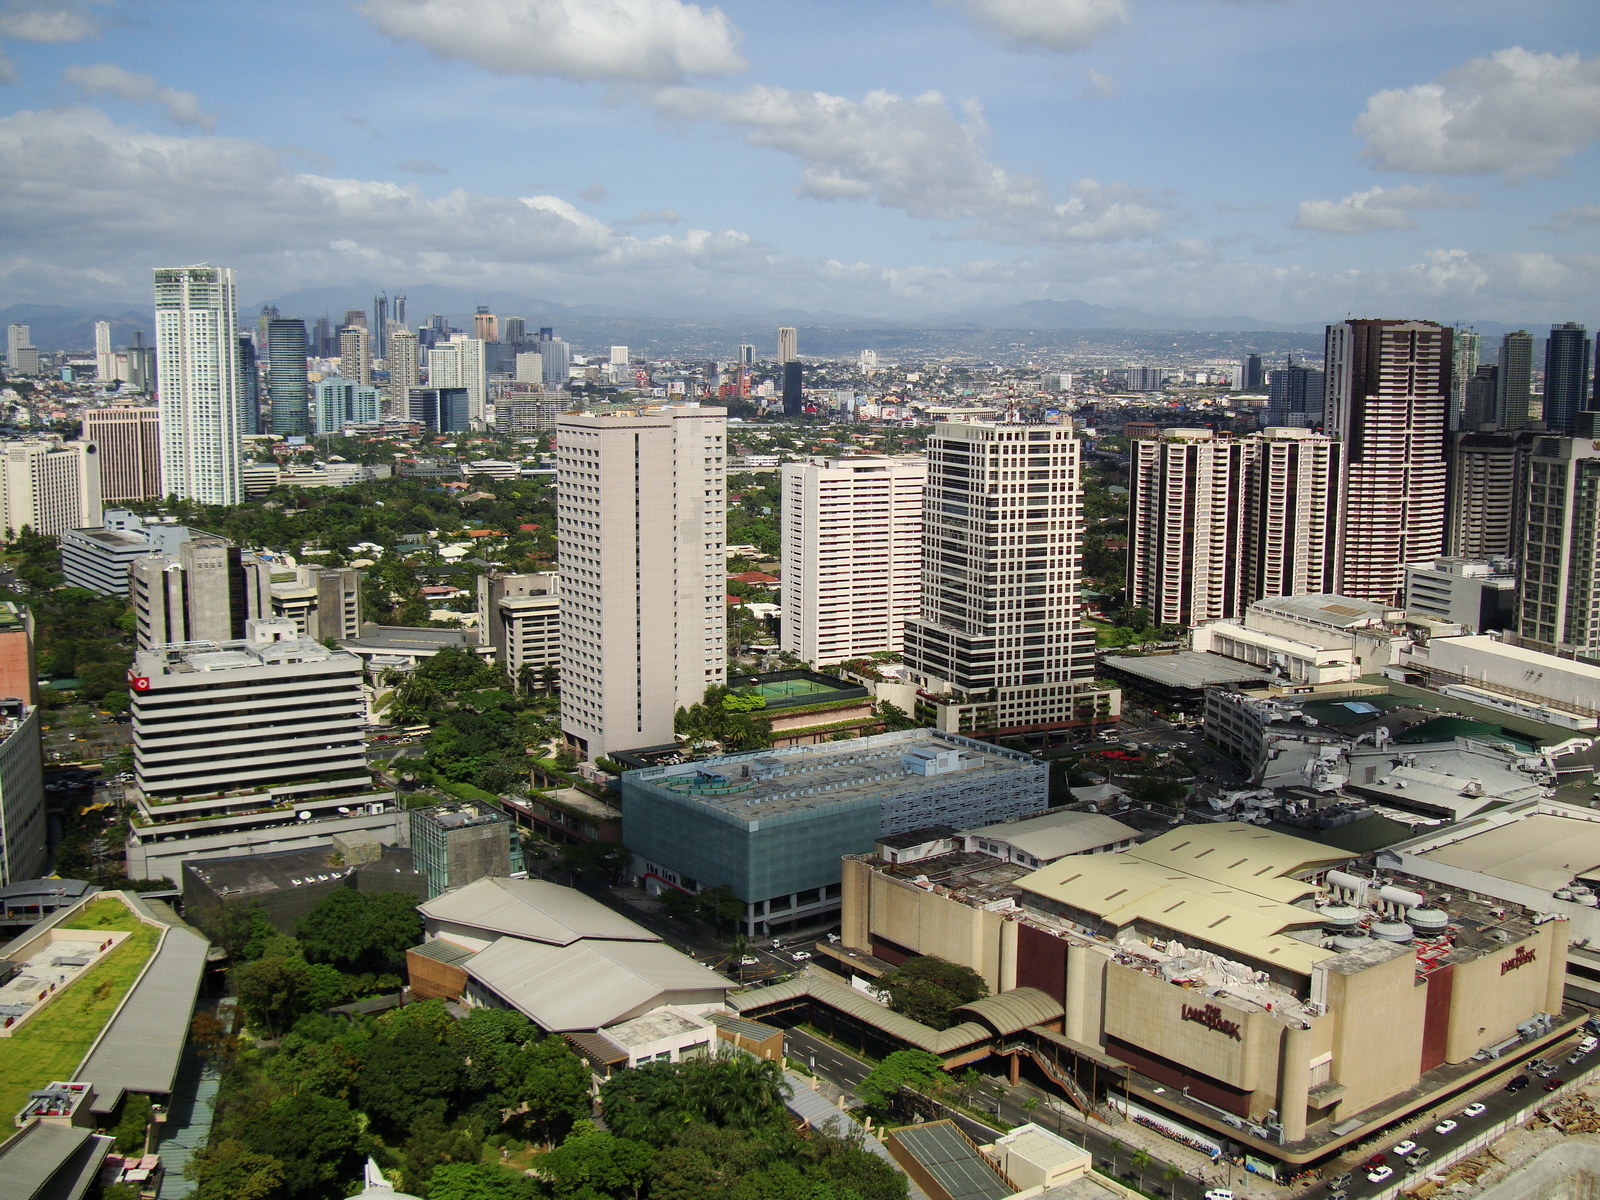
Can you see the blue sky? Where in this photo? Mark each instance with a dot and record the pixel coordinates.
(1286, 159)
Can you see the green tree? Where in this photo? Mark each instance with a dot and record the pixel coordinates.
(1139, 1161)
(915, 1069)
(655, 1102)
(550, 1084)
(227, 1169)
(591, 1163)
(893, 717)
(133, 1124)
(274, 991)
(313, 1136)
(926, 988)
(475, 1181)
(356, 931)
(407, 1072)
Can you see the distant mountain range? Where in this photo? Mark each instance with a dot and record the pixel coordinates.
(1050, 323)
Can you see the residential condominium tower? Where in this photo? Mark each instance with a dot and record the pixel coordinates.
(852, 553)
(1559, 595)
(1000, 646)
(1388, 396)
(1515, 380)
(460, 363)
(1291, 498)
(1488, 492)
(641, 536)
(1185, 526)
(197, 347)
(1566, 381)
(48, 487)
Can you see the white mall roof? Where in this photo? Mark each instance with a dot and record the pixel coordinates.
(534, 910)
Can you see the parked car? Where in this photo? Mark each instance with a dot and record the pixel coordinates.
(1219, 1194)
(1379, 1174)
(1404, 1148)
(1445, 1126)
(1575, 1058)
(1520, 1082)
(1551, 1085)
(1474, 1109)
(1419, 1156)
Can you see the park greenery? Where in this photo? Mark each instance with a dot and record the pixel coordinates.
(928, 989)
(483, 724)
(488, 1108)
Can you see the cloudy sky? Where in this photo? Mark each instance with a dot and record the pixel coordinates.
(1287, 159)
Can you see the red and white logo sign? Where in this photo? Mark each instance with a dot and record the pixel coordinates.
(141, 683)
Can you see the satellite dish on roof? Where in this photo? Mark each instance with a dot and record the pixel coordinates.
(303, 815)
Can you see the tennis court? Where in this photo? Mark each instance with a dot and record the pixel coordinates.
(786, 689)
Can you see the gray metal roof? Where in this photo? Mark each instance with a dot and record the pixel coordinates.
(1056, 835)
(1186, 668)
(45, 1161)
(442, 951)
(826, 988)
(589, 984)
(1326, 608)
(139, 1050)
(954, 1163)
(532, 909)
(1015, 1010)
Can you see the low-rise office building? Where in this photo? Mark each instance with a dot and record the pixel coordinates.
(569, 964)
(772, 824)
(519, 615)
(248, 746)
(1514, 679)
(1476, 594)
(98, 557)
(287, 884)
(1311, 639)
(458, 844)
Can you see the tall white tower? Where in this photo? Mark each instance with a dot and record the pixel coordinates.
(1000, 647)
(1185, 525)
(105, 366)
(852, 555)
(641, 535)
(197, 351)
(460, 363)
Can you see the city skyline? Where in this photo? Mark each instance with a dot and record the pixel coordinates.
(1268, 159)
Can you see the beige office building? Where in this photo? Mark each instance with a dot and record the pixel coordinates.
(641, 535)
(355, 354)
(788, 344)
(1559, 602)
(48, 487)
(129, 437)
(1000, 646)
(852, 554)
(520, 616)
(1488, 493)
(1388, 399)
(1289, 513)
(404, 360)
(202, 592)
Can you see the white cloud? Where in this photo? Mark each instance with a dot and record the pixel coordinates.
(106, 79)
(1377, 209)
(642, 41)
(46, 20)
(1049, 24)
(1100, 85)
(1576, 217)
(914, 154)
(1515, 113)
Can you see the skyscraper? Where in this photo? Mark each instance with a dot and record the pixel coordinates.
(400, 310)
(355, 353)
(380, 325)
(1514, 382)
(129, 437)
(555, 358)
(1488, 492)
(641, 536)
(1291, 511)
(340, 402)
(48, 487)
(460, 363)
(485, 325)
(1559, 592)
(1481, 399)
(1186, 526)
(197, 344)
(852, 554)
(356, 317)
(1000, 647)
(1566, 380)
(1463, 366)
(249, 386)
(1294, 396)
(1250, 378)
(104, 364)
(747, 355)
(514, 330)
(788, 344)
(21, 356)
(288, 384)
(793, 389)
(1388, 396)
(405, 369)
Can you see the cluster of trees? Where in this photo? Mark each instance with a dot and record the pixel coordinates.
(438, 1103)
(78, 634)
(927, 988)
(482, 725)
(423, 1093)
(725, 718)
(351, 944)
(753, 519)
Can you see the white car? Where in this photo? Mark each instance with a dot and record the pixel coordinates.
(1474, 1110)
(1379, 1174)
(801, 955)
(1404, 1148)
(1446, 1126)
(1218, 1194)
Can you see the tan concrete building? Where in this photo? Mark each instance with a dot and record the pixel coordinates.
(1240, 978)
(641, 534)
(520, 616)
(129, 438)
(852, 553)
(48, 487)
(1185, 525)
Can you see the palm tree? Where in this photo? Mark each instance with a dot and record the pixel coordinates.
(1171, 1174)
(1116, 1148)
(737, 949)
(1139, 1161)
(1029, 1105)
